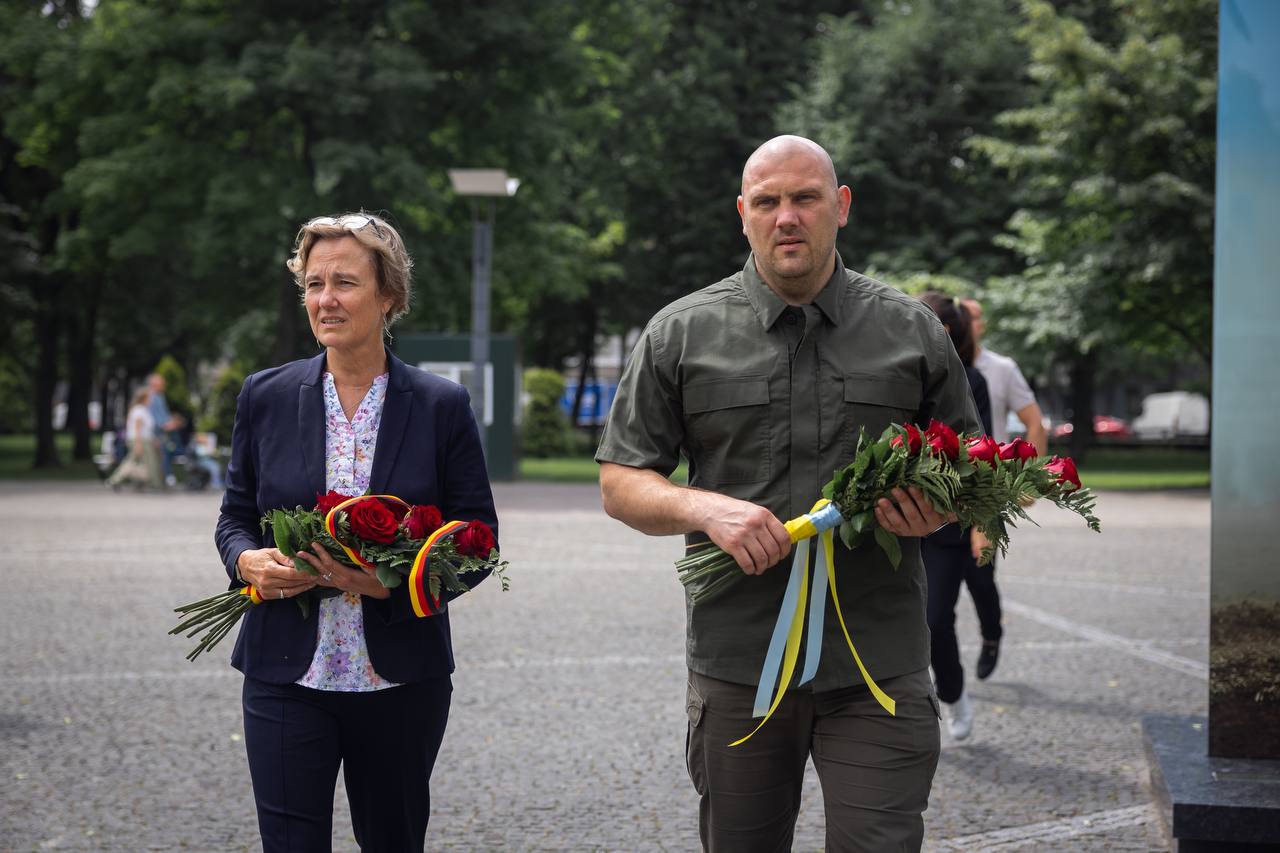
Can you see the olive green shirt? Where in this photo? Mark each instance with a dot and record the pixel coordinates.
(765, 401)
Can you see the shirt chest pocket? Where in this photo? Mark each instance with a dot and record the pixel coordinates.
(729, 431)
(873, 402)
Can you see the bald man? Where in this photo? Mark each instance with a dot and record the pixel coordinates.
(762, 381)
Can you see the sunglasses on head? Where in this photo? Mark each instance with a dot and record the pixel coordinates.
(351, 222)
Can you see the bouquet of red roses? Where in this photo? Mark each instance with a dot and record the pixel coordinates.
(985, 483)
(398, 541)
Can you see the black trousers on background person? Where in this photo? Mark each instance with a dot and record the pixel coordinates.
(981, 581)
(948, 563)
(386, 742)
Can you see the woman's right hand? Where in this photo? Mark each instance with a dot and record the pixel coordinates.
(273, 574)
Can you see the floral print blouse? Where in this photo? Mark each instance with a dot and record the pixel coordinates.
(341, 661)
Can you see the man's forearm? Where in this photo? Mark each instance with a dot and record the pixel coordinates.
(647, 501)
(1033, 420)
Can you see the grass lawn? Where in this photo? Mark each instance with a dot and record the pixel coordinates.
(1117, 468)
(1135, 468)
(575, 469)
(1122, 468)
(17, 451)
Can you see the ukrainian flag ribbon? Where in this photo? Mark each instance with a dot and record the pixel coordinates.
(784, 648)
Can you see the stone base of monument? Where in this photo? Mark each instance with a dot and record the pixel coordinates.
(1226, 805)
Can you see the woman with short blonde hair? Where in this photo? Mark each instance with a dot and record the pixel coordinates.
(356, 680)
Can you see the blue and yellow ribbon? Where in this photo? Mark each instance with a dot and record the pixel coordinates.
(784, 647)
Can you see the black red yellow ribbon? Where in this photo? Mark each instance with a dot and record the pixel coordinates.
(331, 524)
(424, 603)
(420, 597)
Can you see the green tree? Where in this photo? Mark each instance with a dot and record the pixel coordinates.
(545, 431)
(219, 414)
(707, 88)
(163, 154)
(1114, 160)
(177, 394)
(895, 95)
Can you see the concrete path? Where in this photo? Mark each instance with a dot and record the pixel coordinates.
(567, 730)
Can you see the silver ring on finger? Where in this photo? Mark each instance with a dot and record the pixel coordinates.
(281, 595)
(329, 576)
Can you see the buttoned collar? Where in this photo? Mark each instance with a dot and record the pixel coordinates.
(769, 305)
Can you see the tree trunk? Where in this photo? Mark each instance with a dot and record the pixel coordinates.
(1083, 370)
(587, 352)
(287, 323)
(48, 329)
(80, 348)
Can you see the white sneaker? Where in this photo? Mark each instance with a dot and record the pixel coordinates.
(960, 717)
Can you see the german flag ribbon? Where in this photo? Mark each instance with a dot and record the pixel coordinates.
(424, 603)
(251, 592)
(784, 647)
(331, 523)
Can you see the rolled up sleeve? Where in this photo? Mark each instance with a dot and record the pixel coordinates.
(645, 426)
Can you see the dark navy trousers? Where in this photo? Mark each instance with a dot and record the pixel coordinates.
(386, 742)
(949, 563)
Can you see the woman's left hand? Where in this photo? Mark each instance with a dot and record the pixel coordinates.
(337, 576)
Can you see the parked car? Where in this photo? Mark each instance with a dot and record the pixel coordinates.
(1017, 429)
(1105, 428)
(1173, 414)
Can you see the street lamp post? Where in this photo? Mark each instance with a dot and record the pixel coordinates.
(478, 184)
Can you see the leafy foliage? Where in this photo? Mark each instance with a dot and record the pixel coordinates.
(545, 430)
(1114, 158)
(219, 414)
(176, 392)
(895, 96)
(988, 495)
(156, 160)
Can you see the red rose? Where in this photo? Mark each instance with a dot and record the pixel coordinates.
(913, 440)
(370, 519)
(1018, 449)
(984, 449)
(396, 508)
(474, 540)
(324, 503)
(421, 521)
(1066, 471)
(942, 439)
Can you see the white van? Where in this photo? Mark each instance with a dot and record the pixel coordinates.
(1172, 414)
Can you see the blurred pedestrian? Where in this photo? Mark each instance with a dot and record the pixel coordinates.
(141, 466)
(1009, 392)
(950, 554)
(167, 427)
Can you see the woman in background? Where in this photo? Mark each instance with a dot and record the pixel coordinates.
(141, 467)
(951, 553)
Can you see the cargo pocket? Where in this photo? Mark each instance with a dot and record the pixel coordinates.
(728, 421)
(694, 746)
(874, 402)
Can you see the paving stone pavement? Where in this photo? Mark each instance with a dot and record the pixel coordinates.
(567, 727)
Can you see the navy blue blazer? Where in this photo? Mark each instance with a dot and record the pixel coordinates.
(428, 452)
